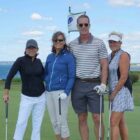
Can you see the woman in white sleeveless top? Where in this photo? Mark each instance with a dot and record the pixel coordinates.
(120, 87)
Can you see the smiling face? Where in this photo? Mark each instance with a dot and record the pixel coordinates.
(83, 25)
(31, 51)
(114, 45)
(59, 43)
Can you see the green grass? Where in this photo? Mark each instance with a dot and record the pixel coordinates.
(46, 130)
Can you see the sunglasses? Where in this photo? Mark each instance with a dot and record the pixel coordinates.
(31, 47)
(111, 41)
(58, 40)
(83, 24)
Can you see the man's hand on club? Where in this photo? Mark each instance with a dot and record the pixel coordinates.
(63, 96)
(100, 89)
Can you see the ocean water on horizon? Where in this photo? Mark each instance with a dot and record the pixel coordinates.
(4, 69)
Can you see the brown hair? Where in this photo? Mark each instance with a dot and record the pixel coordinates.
(83, 16)
(54, 37)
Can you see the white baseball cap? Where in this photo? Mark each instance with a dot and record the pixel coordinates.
(115, 38)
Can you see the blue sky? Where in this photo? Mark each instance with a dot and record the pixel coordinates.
(39, 19)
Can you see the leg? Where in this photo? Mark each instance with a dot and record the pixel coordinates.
(65, 138)
(123, 129)
(79, 100)
(96, 106)
(24, 113)
(96, 119)
(58, 137)
(115, 121)
(37, 117)
(63, 119)
(83, 126)
(52, 102)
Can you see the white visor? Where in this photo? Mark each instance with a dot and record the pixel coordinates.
(115, 38)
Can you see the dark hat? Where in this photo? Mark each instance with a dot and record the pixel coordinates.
(31, 43)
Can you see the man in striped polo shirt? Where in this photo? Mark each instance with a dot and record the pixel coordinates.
(91, 72)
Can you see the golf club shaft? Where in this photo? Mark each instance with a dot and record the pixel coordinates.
(100, 125)
(59, 100)
(6, 132)
(108, 130)
(6, 110)
(6, 121)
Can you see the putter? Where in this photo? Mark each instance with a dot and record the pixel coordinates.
(100, 125)
(108, 129)
(6, 120)
(59, 103)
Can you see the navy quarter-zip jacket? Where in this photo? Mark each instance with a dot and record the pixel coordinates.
(32, 75)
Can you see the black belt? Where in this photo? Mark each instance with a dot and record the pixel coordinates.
(89, 79)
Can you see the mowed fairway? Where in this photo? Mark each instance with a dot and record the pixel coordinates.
(133, 119)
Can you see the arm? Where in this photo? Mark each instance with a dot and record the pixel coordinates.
(124, 64)
(104, 70)
(100, 89)
(45, 69)
(9, 78)
(71, 74)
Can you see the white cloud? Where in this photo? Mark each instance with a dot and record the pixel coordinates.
(135, 36)
(80, 6)
(37, 16)
(86, 5)
(136, 47)
(48, 18)
(33, 33)
(125, 2)
(51, 28)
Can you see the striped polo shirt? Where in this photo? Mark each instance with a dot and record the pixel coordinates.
(88, 56)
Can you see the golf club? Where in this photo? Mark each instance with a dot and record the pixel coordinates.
(6, 120)
(100, 125)
(59, 103)
(108, 129)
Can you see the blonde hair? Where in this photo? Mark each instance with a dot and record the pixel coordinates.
(117, 34)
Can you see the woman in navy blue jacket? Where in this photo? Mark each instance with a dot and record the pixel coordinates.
(59, 78)
(32, 99)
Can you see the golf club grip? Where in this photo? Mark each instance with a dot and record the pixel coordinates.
(59, 106)
(6, 110)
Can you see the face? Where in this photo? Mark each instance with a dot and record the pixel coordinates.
(114, 45)
(83, 26)
(59, 43)
(31, 51)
